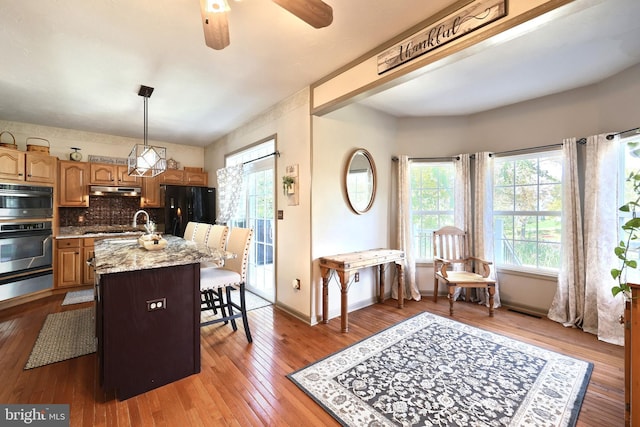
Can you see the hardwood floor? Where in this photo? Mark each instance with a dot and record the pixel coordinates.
(244, 384)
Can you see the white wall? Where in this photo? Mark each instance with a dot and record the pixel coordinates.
(97, 144)
(289, 121)
(335, 227)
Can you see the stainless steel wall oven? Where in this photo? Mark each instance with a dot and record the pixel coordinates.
(25, 201)
(26, 255)
(26, 240)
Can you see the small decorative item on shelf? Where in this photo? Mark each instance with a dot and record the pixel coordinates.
(288, 183)
(172, 164)
(11, 144)
(76, 156)
(37, 147)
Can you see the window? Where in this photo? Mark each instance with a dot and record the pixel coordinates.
(630, 163)
(432, 202)
(527, 202)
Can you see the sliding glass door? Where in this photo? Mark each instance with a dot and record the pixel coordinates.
(257, 211)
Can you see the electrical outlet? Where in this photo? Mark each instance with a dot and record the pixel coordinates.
(157, 304)
(356, 276)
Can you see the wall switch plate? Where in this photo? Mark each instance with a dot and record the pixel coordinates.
(157, 304)
(356, 276)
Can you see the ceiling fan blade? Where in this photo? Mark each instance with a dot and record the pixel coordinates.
(316, 13)
(216, 27)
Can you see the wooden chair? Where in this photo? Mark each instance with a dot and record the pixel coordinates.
(453, 266)
(213, 281)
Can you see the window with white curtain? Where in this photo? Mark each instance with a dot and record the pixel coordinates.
(527, 202)
(432, 203)
(629, 163)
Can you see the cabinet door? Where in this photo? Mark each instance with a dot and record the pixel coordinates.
(124, 177)
(69, 267)
(196, 178)
(40, 167)
(11, 164)
(151, 196)
(173, 176)
(88, 275)
(103, 174)
(72, 184)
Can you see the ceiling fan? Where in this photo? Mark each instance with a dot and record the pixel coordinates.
(316, 13)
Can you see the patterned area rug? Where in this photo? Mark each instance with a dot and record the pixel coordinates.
(63, 336)
(433, 371)
(77, 297)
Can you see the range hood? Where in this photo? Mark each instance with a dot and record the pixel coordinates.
(101, 190)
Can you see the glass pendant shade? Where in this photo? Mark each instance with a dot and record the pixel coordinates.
(146, 160)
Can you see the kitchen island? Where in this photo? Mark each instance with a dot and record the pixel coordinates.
(147, 313)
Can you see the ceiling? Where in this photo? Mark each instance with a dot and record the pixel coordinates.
(78, 64)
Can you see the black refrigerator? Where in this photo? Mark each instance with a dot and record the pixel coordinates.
(183, 204)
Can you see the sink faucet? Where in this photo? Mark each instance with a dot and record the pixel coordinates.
(135, 217)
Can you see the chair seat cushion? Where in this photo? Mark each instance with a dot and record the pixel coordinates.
(214, 278)
(464, 277)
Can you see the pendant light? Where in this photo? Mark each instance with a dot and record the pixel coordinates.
(146, 160)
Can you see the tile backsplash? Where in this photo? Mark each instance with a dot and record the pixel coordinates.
(106, 211)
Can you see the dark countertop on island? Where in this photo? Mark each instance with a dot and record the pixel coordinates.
(120, 255)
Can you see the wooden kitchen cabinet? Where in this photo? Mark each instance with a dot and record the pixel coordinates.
(108, 174)
(151, 195)
(23, 166)
(73, 183)
(71, 262)
(184, 177)
(173, 176)
(68, 263)
(196, 178)
(88, 274)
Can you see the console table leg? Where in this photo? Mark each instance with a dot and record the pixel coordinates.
(344, 303)
(381, 282)
(400, 271)
(325, 294)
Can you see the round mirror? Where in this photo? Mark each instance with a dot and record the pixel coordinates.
(360, 181)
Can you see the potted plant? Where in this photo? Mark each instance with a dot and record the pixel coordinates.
(631, 229)
(287, 184)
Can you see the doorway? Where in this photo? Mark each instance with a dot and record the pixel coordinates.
(256, 210)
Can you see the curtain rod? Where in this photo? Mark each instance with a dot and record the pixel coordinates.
(634, 130)
(275, 153)
(395, 158)
(579, 141)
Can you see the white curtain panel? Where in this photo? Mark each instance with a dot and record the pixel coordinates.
(483, 219)
(602, 310)
(229, 191)
(568, 303)
(403, 228)
(462, 217)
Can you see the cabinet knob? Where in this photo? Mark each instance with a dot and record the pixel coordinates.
(20, 174)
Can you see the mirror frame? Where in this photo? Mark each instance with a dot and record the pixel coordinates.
(372, 166)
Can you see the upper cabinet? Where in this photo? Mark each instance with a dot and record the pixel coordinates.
(151, 197)
(185, 177)
(108, 174)
(27, 166)
(73, 181)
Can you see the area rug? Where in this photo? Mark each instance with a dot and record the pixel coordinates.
(433, 371)
(63, 336)
(77, 297)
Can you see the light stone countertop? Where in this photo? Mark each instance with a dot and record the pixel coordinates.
(120, 255)
(99, 231)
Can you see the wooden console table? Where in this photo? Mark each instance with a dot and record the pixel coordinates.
(346, 264)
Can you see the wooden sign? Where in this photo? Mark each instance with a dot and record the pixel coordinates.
(474, 15)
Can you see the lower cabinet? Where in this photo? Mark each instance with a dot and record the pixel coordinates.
(71, 262)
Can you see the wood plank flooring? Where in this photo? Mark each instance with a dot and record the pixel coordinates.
(244, 384)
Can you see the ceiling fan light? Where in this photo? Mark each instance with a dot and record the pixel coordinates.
(217, 6)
